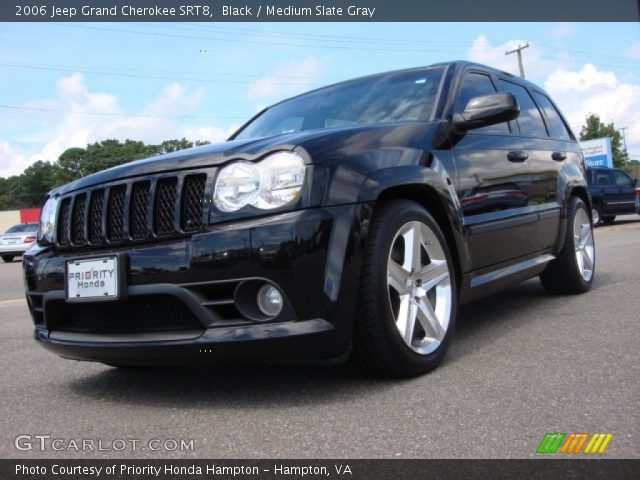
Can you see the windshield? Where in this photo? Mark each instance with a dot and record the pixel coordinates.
(395, 97)
(23, 228)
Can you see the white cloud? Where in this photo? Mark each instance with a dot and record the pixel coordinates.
(210, 133)
(285, 79)
(80, 116)
(634, 50)
(589, 90)
(535, 65)
(562, 29)
(11, 160)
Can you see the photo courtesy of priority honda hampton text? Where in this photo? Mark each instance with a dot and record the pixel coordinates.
(347, 222)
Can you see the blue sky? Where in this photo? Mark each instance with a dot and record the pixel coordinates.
(70, 84)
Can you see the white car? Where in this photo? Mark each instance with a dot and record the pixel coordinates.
(16, 240)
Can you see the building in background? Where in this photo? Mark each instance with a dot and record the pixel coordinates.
(597, 152)
(8, 218)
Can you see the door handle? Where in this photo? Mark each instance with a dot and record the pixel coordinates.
(517, 156)
(559, 156)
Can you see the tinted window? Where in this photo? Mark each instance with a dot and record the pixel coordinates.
(396, 97)
(621, 178)
(23, 228)
(602, 177)
(558, 128)
(530, 121)
(474, 85)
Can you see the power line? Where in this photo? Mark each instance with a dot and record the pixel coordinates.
(133, 75)
(436, 48)
(112, 114)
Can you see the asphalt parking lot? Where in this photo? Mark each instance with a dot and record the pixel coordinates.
(521, 364)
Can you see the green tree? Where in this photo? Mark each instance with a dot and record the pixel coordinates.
(595, 128)
(169, 146)
(29, 188)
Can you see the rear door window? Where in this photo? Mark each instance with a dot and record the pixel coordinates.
(530, 120)
(556, 124)
(475, 84)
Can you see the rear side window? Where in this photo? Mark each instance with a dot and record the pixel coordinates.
(602, 177)
(557, 126)
(530, 120)
(474, 85)
(23, 228)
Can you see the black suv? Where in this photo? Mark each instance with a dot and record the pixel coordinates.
(613, 192)
(348, 221)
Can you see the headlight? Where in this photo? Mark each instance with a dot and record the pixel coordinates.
(268, 184)
(47, 226)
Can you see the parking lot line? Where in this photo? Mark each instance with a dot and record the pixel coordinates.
(12, 301)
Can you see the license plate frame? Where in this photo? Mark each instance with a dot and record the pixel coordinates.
(114, 285)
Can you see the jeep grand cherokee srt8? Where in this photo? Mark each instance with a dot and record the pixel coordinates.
(348, 221)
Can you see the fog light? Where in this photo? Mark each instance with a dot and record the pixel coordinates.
(270, 300)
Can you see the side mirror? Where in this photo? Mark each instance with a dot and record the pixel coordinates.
(487, 110)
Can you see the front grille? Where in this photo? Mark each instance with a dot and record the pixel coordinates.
(137, 210)
(141, 313)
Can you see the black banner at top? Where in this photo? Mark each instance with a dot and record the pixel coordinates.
(319, 10)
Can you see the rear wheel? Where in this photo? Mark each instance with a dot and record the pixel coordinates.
(596, 215)
(407, 303)
(573, 269)
(7, 258)
(608, 220)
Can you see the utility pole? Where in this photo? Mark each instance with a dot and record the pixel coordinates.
(624, 137)
(519, 52)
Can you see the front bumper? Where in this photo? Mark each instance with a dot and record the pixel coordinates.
(182, 303)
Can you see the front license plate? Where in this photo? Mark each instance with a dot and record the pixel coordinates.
(92, 279)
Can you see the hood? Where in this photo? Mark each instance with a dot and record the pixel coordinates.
(250, 149)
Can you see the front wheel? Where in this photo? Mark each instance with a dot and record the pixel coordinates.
(407, 298)
(609, 220)
(573, 269)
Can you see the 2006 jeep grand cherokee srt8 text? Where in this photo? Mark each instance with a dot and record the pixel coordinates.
(348, 221)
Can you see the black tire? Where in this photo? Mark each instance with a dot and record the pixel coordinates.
(7, 258)
(597, 215)
(609, 220)
(377, 345)
(562, 276)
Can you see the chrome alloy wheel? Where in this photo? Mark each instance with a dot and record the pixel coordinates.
(596, 216)
(583, 244)
(419, 285)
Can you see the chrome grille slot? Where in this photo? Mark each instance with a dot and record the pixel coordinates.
(165, 206)
(95, 216)
(192, 202)
(63, 223)
(139, 210)
(115, 213)
(77, 220)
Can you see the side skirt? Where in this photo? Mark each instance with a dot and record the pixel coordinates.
(480, 283)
